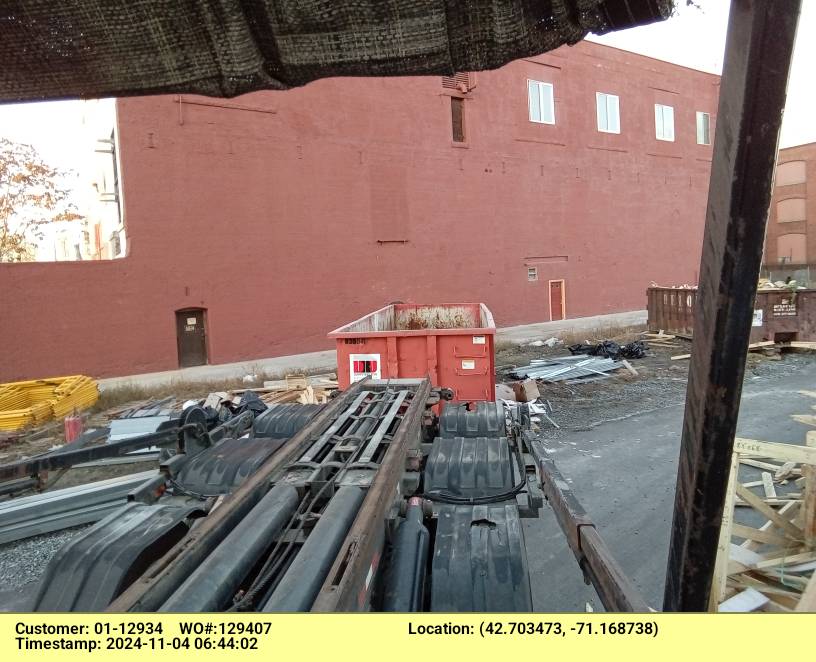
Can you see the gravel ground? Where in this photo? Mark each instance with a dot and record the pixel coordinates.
(23, 562)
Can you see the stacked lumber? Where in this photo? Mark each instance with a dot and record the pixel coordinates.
(660, 339)
(772, 567)
(769, 347)
(800, 344)
(306, 390)
(753, 347)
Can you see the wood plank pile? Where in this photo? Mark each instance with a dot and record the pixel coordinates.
(306, 390)
(662, 339)
(763, 346)
(771, 567)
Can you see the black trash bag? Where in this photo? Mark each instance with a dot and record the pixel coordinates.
(611, 350)
(251, 402)
(580, 348)
(634, 350)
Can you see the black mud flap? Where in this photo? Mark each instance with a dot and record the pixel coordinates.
(95, 567)
(479, 562)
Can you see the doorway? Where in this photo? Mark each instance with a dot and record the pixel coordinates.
(191, 337)
(557, 300)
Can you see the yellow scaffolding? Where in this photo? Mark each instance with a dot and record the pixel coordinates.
(23, 404)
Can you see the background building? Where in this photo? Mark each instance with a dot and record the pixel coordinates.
(790, 249)
(558, 186)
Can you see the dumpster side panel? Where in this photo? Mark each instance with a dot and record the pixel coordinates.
(412, 356)
(785, 315)
(425, 342)
(465, 364)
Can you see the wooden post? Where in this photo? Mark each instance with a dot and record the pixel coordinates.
(752, 95)
(724, 542)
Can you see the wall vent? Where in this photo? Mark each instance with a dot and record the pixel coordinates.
(460, 81)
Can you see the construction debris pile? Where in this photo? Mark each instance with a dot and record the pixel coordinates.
(766, 284)
(612, 350)
(306, 390)
(771, 567)
(23, 404)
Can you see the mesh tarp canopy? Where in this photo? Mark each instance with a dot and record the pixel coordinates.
(223, 48)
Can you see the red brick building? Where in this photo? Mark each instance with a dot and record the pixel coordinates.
(790, 242)
(560, 185)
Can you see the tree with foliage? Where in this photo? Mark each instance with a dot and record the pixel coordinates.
(32, 196)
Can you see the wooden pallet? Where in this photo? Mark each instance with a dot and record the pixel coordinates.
(773, 567)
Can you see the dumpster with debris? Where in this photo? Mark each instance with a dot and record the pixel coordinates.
(452, 343)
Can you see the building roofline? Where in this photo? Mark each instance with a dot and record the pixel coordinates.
(649, 57)
(785, 149)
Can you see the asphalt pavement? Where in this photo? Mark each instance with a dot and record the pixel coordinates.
(624, 474)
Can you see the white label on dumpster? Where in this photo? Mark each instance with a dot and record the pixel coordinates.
(757, 318)
(191, 320)
(364, 365)
(478, 340)
(468, 364)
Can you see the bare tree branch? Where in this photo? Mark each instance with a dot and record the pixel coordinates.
(32, 196)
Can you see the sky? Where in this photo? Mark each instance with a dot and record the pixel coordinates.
(694, 37)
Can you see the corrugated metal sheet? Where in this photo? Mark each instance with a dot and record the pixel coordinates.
(567, 367)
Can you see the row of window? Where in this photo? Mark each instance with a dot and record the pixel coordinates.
(541, 104)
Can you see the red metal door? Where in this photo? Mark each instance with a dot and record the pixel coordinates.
(556, 300)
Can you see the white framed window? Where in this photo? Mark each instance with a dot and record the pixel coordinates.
(664, 122)
(540, 102)
(703, 128)
(608, 112)
(532, 273)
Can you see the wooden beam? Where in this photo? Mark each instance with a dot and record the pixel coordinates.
(750, 533)
(724, 540)
(785, 560)
(768, 486)
(758, 53)
(758, 504)
(775, 451)
(808, 601)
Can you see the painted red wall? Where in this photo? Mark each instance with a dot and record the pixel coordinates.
(269, 211)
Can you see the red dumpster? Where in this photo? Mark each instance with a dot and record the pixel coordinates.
(450, 342)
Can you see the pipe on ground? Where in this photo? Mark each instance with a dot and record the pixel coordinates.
(217, 579)
(302, 581)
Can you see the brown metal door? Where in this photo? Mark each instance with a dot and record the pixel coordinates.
(192, 341)
(556, 300)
